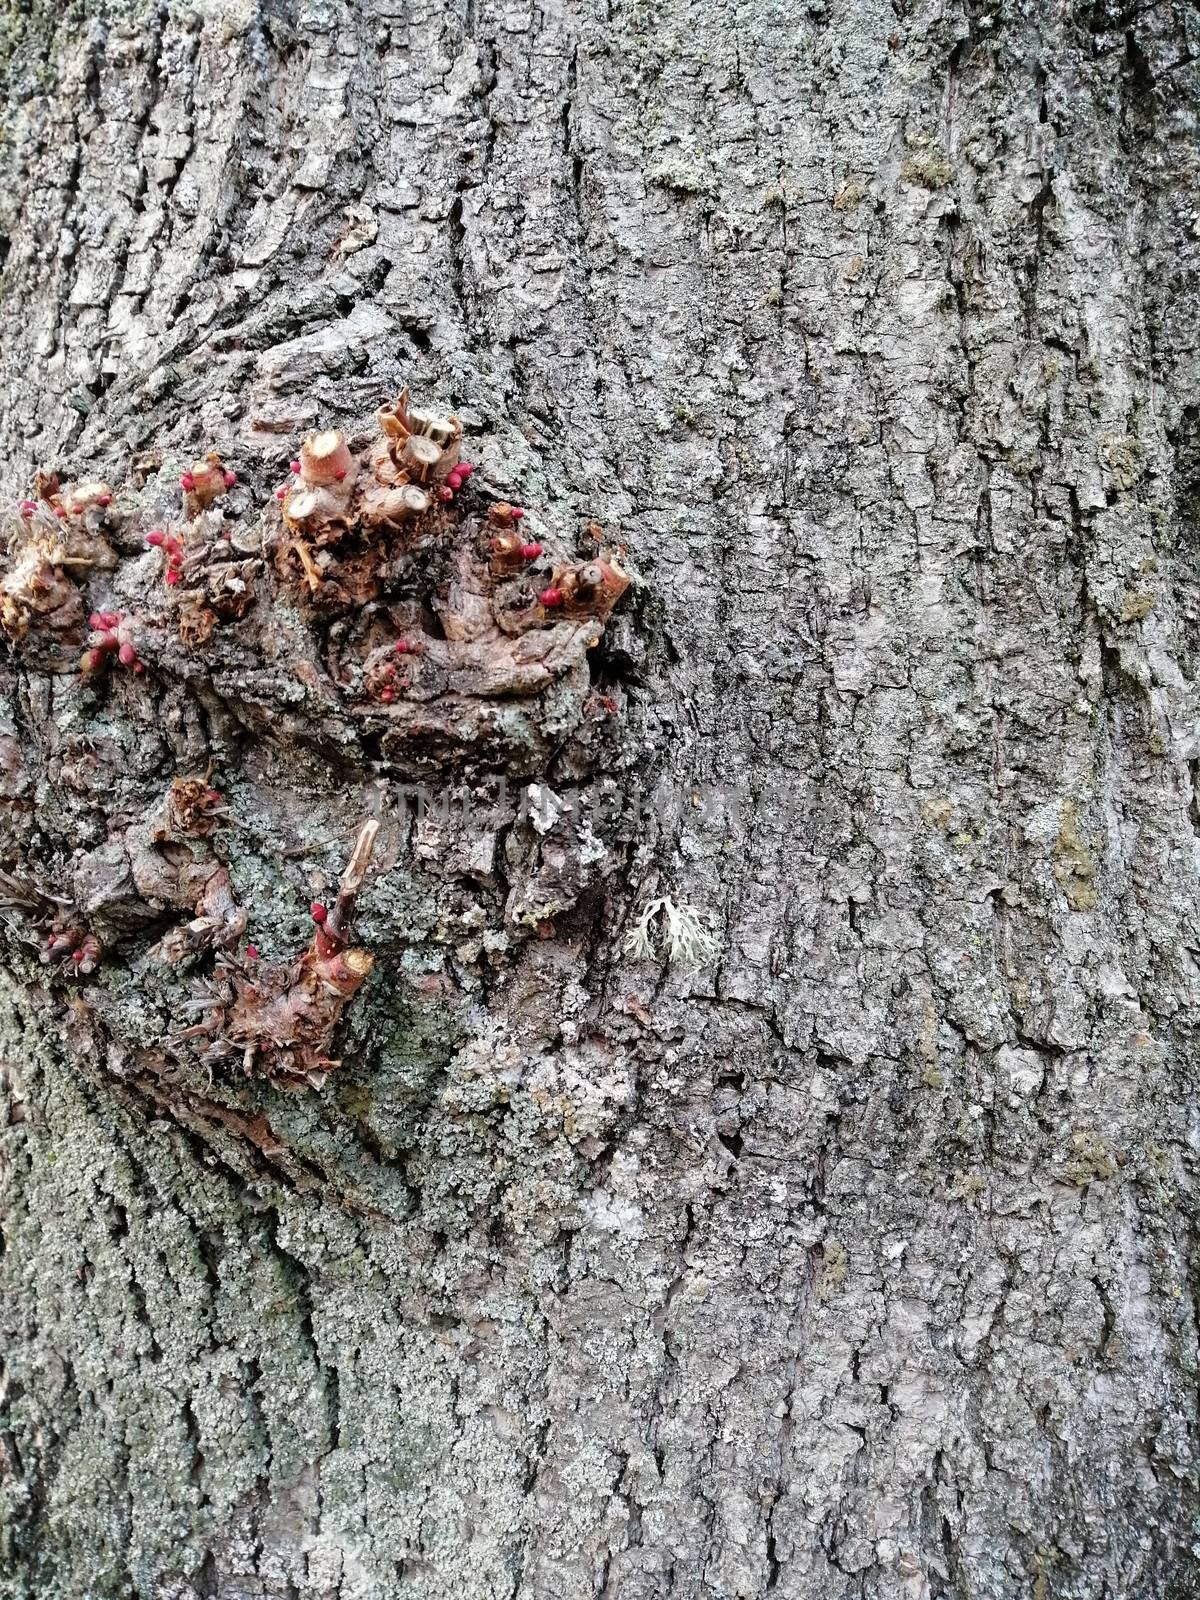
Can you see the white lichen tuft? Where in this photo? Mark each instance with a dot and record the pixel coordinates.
(669, 932)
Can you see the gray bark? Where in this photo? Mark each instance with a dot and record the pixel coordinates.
(856, 1261)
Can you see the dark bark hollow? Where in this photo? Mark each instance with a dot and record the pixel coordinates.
(762, 1152)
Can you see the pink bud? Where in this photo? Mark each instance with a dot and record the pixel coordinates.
(340, 474)
(156, 536)
(28, 507)
(251, 952)
(445, 494)
(454, 479)
(464, 469)
(213, 796)
(517, 513)
(281, 492)
(402, 647)
(60, 511)
(139, 667)
(187, 481)
(110, 619)
(76, 955)
(104, 500)
(127, 655)
(172, 576)
(551, 597)
(531, 551)
(175, 559)
(95, 620)
(387, 696)
(230, 479)
(319, 913)
(294, 466)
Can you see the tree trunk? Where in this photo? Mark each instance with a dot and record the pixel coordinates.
(849, 1255)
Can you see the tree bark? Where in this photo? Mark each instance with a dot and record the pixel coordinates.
(854, 1259)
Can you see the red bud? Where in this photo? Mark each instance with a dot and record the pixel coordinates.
(319, 913)
(531, 551)
(551, 597)
(187, 481)
(127, 655)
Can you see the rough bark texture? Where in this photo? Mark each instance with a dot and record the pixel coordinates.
(857, 1261)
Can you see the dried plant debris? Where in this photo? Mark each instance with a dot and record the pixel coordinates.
(386, 607)
(281, 1019)
(375, 539)
(343, 511)
(50, 923)
(212, 564)
(203, 482)
(111, 641)
(193, 809)
(218, 924)
(51, 541)
(36, 593)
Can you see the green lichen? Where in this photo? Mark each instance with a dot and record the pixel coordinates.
(928, 168)
(1137, 606)
(1090, 1160)
(1074, 867)
(967, 1186)
(680, 177)
(835, 1268)
(27, 54)
(1121, 454)
(849, 195)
